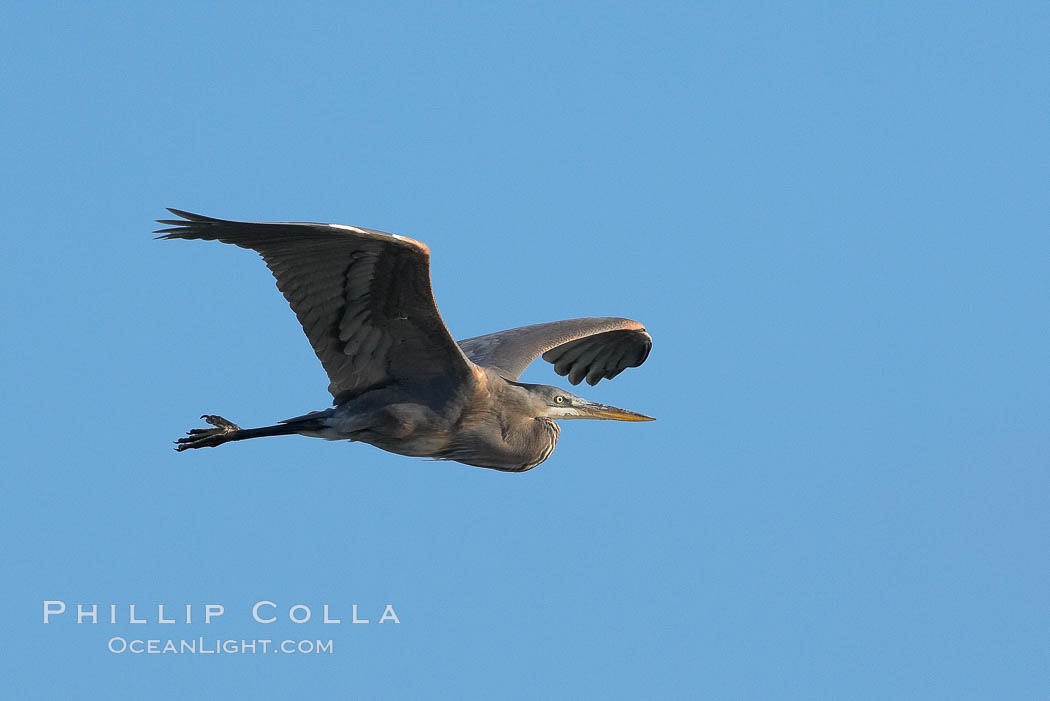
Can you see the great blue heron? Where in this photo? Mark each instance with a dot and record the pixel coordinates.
(399, 380)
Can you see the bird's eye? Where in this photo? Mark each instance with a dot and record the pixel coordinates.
(559, 399)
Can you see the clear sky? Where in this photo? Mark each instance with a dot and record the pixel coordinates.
(832, 218)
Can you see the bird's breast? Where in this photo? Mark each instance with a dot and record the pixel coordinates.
(490, 442)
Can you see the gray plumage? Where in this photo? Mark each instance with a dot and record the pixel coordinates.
(594, 348)
(398, 379)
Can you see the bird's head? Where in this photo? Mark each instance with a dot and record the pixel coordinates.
(556, 403)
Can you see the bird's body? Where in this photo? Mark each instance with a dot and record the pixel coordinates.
(398, 379)
(483, 425)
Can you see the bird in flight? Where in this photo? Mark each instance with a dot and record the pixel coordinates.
(398, 379)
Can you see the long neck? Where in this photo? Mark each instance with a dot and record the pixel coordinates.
(545, 434)
(529, 435)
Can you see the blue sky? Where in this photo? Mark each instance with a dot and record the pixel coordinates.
(831, 217)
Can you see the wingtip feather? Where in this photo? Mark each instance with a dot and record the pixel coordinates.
(188, 221)
(188, 215)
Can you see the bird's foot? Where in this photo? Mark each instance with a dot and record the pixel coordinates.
(208, 437)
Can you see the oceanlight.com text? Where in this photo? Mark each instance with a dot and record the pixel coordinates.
(215, 646)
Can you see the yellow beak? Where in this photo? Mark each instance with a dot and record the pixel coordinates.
(593, 410)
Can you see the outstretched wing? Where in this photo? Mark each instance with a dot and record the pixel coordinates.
(593, 348)
(362, 296)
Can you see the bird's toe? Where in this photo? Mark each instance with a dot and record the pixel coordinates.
(220, 422)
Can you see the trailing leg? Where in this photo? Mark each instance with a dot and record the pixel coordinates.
(226, 431)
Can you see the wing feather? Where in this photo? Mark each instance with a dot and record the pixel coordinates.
(592, 348)
(363, 298)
